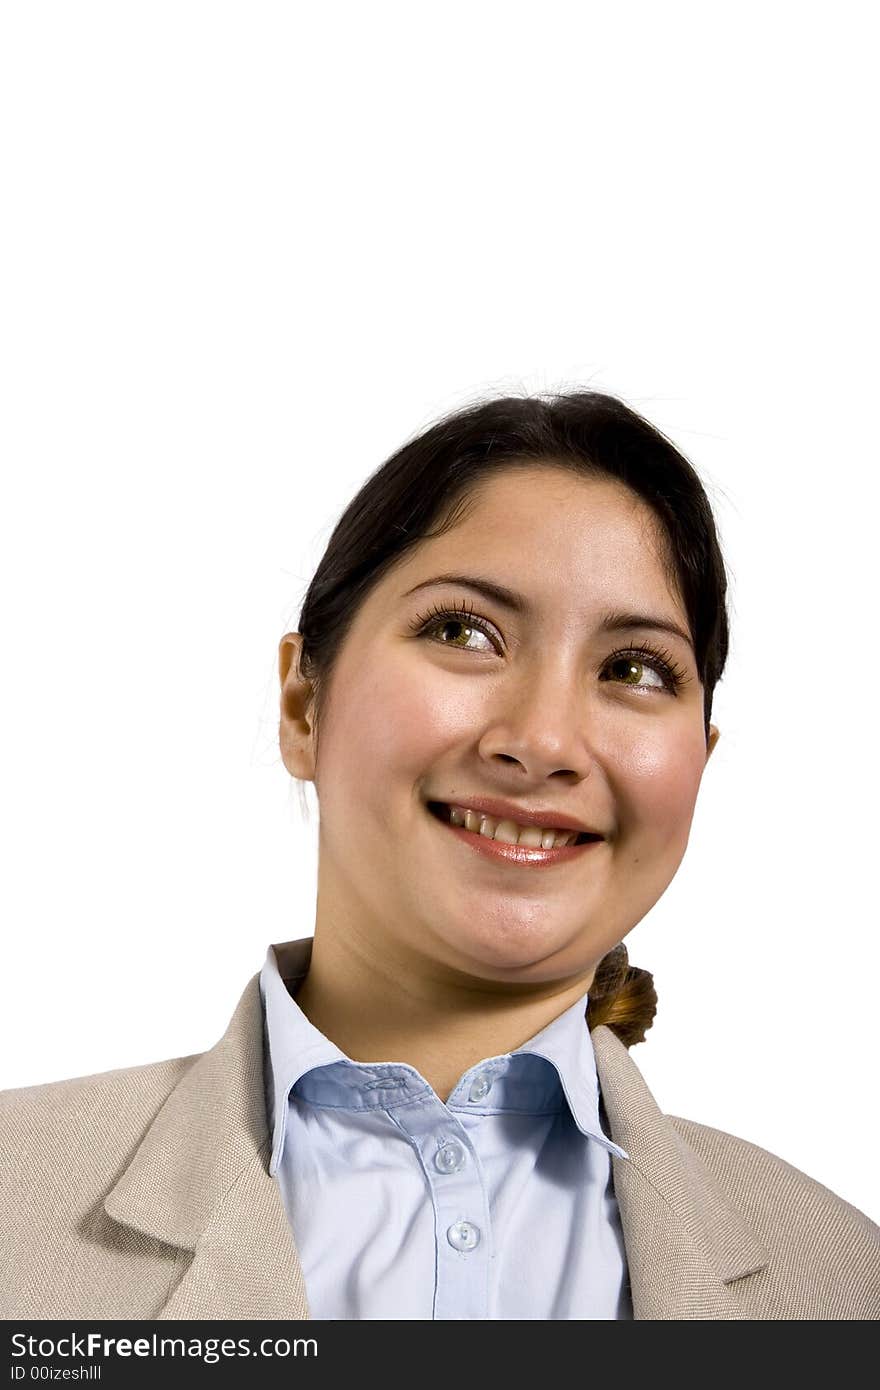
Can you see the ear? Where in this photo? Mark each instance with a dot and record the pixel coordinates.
(295, 731)
(714, 736)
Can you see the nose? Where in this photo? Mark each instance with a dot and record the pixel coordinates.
(538, 723)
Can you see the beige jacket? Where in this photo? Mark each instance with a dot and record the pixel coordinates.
(145, 1193)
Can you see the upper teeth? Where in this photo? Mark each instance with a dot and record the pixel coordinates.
(509, 831)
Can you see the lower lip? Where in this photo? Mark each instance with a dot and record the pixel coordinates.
(515, 854)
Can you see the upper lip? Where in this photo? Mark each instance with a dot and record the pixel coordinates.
(508, 810)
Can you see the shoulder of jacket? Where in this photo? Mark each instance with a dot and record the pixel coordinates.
(31, 1114)
(760, 1181)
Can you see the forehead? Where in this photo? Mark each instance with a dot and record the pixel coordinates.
(555, 532)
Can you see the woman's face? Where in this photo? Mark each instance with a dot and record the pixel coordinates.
(533, 706)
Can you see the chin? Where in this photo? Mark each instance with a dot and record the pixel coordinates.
(507, 949)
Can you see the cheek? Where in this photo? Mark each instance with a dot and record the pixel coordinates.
(660, 786)
(385, 719)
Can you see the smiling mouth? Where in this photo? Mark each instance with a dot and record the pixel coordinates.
(480, 832)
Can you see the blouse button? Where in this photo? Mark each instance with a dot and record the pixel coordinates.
(480, 1087)
(450, 1158)
(463, 1236)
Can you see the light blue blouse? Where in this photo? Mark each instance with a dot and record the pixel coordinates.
(498, 1203)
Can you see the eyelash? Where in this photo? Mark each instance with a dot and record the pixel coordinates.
(672, 674)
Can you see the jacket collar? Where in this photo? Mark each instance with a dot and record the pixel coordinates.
(685, 1239)
(200, 1180)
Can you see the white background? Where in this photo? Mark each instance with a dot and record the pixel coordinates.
(248, 250)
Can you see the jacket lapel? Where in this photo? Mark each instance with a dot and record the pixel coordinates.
(685, 1241)
(245, 1264)
(200, 1180)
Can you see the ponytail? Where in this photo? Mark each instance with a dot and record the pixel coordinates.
(622, 997)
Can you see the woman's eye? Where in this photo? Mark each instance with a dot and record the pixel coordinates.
(463, 629)
(632, 665)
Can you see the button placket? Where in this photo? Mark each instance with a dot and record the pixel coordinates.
(462, 1214)
(461, 1206)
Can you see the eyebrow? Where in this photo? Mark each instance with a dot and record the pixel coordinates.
(616, 620)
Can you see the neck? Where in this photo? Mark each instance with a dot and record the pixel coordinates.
(383, 1004)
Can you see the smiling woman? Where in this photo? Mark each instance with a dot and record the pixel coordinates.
(501, 688)
(529, 711)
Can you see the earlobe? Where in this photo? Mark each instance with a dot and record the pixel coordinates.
(714, 736)
(295, 728)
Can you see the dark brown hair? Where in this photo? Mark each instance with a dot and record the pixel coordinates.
(422, 490)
